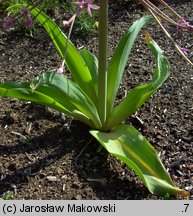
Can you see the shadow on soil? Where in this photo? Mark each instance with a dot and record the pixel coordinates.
(94, 169)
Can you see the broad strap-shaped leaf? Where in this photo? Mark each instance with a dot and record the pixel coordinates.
(139, 95)
(74, 61)
(127, 144)
(56, 91)
(92, 64)
(23, 91)
(44, 95)
(71, 91)
(120, 58)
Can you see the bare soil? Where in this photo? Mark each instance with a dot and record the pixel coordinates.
(44, 155)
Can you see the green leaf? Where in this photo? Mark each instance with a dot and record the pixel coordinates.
(7, 195)
(127, 144)
(139, 95)
(44, 96)
(119, 59)
(70, 91)
(74, 61)
(55, 91)
(92, 64)
(13, 7)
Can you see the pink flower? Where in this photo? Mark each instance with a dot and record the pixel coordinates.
(60, 70)
(184, 50)
(184, 24)
(86, 4)
(28, 21)
(8, 23)
(65, 23)
(24, 11)
(81, 6)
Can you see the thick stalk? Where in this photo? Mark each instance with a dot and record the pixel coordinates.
(102, 56)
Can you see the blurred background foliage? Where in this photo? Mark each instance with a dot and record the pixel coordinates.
(58, 10)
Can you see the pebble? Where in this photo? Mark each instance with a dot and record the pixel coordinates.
(78, 197)
(64, 187)
(52, 178)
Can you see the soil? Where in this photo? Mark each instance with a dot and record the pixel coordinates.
(45, 155)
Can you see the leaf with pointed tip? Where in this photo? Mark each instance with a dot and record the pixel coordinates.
(73, 59)
(127, 144)
(51, 98)
(92, 64)
(140, 94)
(74, 93)
(118, 61)
(69, 88)
(56, 91)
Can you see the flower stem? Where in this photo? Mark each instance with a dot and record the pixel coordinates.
(102, 56)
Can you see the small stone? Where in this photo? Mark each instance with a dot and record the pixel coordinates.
(78, 197)
(52, 178)
(59, 170)
(188, 188)
(28, 128)
(64, 187)
(65, 177)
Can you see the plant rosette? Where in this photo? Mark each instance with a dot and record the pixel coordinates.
(91, 93)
